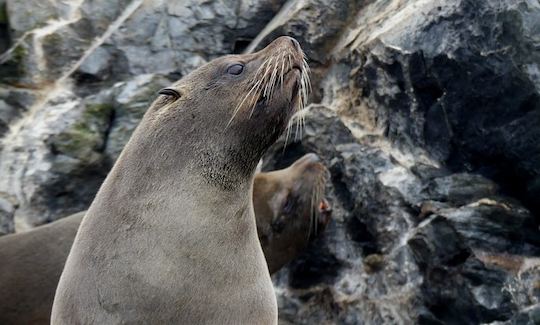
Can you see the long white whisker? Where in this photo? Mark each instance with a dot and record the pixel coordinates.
(266, 73)
(273, 77)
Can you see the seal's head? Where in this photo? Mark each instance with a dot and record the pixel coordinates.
(227, 112)
(291, 209)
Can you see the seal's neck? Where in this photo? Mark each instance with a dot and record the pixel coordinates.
(147, 172)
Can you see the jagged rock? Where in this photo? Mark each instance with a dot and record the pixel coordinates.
(4, 34)
(380, 253)
(461, 189)
(7, 208)
(28, 15)
(54, 163)
(436, 242)
(459, 78)
(495, 226)
(131, 99)
(7, 113)
(97, 64)
(528, 316)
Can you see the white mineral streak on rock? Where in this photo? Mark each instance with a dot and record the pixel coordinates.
(25, 157)
(289, 9)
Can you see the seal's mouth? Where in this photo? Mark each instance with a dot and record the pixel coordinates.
(320, 219)
(325, 213)
(297, 67)
(324, 207)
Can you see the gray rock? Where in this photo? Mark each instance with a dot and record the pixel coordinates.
(47, 158)
(7, 209)
(381, 261)
(13, 103)
(27, 15)
(131, 99)
(461, 189)
(97, 63)
(495, 226)
(4, 33)
(456, 78)
(435, 241)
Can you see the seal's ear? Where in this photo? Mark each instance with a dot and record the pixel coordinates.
(170, 92)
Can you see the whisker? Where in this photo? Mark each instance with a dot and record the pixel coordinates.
(273, 78)
(287, 134)
(311, 225)
(282, 72)
(239, 107)
(266, 72)
(263, 85)
(258, 80)
(255, 98)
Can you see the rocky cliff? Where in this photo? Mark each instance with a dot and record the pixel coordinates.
(426, 112)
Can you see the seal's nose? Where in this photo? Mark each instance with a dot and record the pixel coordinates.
(295, 43)
(307, 159)
(288, 41)
(311, 157)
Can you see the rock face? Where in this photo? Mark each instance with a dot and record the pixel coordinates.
(426, 112)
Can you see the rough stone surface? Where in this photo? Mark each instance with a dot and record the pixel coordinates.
(394, 255)
(426, 113)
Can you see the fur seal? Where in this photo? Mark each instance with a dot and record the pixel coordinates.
(31, 264)
(170, 236)
(291, 211)
(33, 260)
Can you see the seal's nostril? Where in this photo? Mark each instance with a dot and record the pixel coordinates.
(295, 43)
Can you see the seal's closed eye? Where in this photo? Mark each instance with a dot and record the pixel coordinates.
(235, 69)
(170, 92)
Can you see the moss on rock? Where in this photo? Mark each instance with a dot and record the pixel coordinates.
(3, 13)
(373, 263)
(85, 139)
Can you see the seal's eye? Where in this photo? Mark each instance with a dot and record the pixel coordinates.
(170, 92)
(235, 69)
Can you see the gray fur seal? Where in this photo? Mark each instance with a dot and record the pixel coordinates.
(170, 236)
(33, 260)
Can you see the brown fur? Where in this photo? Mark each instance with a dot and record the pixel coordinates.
(288, 209)
(171, 234)
(31, 266)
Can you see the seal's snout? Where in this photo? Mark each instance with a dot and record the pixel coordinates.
(313, 158)
(307, 160)
(280, 79)
(295, 44)
(285, 42)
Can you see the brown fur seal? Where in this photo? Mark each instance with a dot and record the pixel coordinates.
(171, 234)
(33, 260)
(31, 263)
(292, 210)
